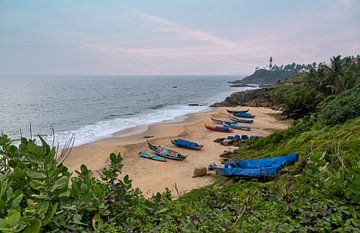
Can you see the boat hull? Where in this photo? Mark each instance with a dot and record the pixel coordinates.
(239, 127)
(235, 111)
(152, 157)
(166, 153)
(239, 120)
(218, 121)
(219, 129)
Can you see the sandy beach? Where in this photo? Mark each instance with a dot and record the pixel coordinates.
(152, 176)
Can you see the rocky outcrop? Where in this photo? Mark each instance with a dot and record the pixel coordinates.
(253, 98)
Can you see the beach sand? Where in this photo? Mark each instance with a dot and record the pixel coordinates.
(152, 176)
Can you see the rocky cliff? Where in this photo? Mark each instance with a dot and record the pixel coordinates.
(254, 98)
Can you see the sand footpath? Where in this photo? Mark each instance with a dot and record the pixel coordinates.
(152, 176)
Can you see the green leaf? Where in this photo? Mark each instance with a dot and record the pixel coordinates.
(77, 220)
(127, 180)
(41, 196)
(84, 170)
(50, 214)
(60, 183)
(13, 218)
(17, 198)
(45, 146)
(19, 173)
(34, 153)
(65, 194)
(43, 207)
(34, 226)
(38, 184)
(36, 174)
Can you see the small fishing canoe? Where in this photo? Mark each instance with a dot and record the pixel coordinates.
(243, 115)
(186, 144)
(236, 111)
(221, 122)
(223, 129)
(239, 120)
(240, 127)
(166, 153)
(153, 157)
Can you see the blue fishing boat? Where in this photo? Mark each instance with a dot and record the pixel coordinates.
(153, 157)
(239, 127)
(244, 115)
(186, 144)
(257, 168)
(239, 120)
(221, 122)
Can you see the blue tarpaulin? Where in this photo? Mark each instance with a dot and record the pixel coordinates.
(186, 144)
(258, 168)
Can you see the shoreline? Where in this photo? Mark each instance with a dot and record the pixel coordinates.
(152, 176)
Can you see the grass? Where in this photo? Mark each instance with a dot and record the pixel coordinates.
(319, 193)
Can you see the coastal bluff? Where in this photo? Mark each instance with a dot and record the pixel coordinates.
(252, 98)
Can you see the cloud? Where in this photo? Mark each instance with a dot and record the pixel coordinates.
(184, 31)
(303, 38)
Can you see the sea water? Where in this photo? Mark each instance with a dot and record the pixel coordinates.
(94, 107)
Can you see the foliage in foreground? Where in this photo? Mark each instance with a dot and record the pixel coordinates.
(319, 193)
(38, 194)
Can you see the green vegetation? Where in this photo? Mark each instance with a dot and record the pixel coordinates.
(345, 106)
(319, 193)
(275, 74)
(302, 95)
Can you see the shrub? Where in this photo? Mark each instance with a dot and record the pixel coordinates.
(343, 107)
(296, 98)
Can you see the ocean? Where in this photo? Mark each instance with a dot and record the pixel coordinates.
(94, 107)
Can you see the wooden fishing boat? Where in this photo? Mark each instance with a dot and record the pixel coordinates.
(243, 115)
(235, 111)
(186, 144)
(221, 122)
(239, 120)
(223, 129)
(166, 153)
(235, 126)
(153, 157)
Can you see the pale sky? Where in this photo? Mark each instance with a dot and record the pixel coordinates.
(162, 37)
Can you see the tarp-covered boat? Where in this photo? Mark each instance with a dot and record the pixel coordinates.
(235, 126)
(153, 157)
(244, 115)
(221, 122)
(166, 153)
(235, 111)
(186, 144)
(223, 129)
(239, 120)
(246, 137)
(258, 168)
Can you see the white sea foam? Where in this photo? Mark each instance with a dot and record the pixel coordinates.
(102, 129)
(106, 128)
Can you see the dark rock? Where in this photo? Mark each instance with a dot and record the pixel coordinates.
(253, 98)
(242, 85)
